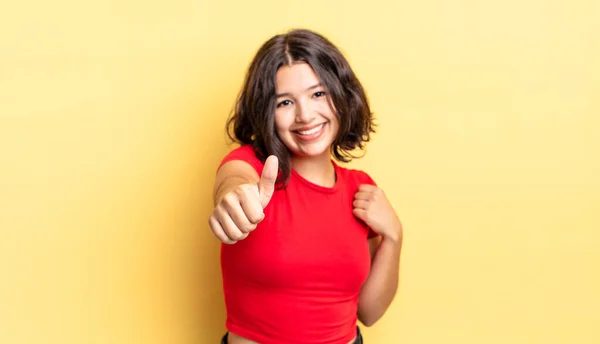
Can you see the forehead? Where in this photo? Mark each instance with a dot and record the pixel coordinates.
(295, 78)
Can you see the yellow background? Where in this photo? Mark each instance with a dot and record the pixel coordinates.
(111, 127)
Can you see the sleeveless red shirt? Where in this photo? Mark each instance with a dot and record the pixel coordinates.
(296, 278)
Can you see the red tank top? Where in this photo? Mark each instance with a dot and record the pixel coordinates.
(296, 278)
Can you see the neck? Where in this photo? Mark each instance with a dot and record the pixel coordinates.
(317, 170)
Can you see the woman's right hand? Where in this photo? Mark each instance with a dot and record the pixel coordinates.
(241, 209)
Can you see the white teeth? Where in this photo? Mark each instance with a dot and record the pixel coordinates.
(311, 131)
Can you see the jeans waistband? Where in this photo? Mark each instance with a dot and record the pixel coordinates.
(358, 340)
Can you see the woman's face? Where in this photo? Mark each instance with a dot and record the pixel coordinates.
(304, 120)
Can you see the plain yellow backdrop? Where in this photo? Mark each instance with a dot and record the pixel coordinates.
(111, 128)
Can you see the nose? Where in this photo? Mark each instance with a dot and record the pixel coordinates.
(304, 113)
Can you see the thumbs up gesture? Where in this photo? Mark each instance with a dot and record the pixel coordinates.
(241, 209)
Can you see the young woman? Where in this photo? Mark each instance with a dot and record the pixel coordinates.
(309, 247)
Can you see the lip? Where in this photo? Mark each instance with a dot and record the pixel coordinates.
(308, 127)
(312, 137)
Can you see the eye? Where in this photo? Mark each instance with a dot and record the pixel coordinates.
(319, 94)
(284, 103)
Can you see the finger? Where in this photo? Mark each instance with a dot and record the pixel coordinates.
(361, 204)
(217, 230)
(364, 195)
(231, 203)
(367, 187)
(237, 214)
(251, 206)
(229, 227)
(266, 185)
(360, 213)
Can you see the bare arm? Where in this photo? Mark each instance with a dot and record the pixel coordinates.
(380, 288)
(231, 175)
(372, 206)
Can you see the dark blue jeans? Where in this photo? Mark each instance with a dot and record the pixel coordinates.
(359, 339)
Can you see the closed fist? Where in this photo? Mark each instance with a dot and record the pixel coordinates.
(240, 210)
(372, 207)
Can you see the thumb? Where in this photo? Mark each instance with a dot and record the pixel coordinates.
(266, 185)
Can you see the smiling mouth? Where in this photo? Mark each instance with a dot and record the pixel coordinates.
(311, 131)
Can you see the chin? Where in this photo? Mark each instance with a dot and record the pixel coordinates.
(316, 151)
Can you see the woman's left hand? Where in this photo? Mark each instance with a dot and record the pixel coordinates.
(372, 206)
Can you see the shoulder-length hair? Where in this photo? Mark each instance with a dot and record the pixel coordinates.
(253, 121)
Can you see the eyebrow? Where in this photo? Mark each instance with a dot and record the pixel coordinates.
(308, 89)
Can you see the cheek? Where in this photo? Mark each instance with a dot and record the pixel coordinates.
(326, 110)
(330, 106)
(334, 122)
(335, 128)
(283, 120)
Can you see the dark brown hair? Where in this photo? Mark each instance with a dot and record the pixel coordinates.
(253, 121)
